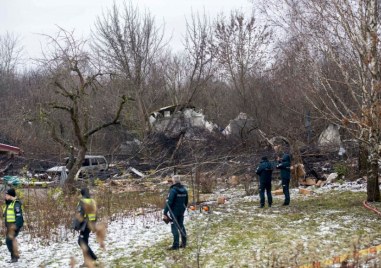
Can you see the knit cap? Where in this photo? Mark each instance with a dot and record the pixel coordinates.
(11, 192)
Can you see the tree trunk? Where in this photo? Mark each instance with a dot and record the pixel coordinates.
(198, 184)
(373, 189)
(363, 164)
(70, 182)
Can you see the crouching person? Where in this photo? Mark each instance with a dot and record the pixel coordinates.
(84, 222)
(13, 217)
(174, 209)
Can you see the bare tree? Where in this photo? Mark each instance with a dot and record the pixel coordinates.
(187, 74)
(130, 43)
(74, 77)
(10, 53)
(198, 60)
(241, 48)
(10, 59)
(343, 37)
(174, 78)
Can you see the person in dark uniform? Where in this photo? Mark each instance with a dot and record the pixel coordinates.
(265, 171)
(13, 217)
(85, 220)
(174, 209)
(285, 175)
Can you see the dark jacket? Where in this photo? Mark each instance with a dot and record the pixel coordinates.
(18, 213)
(177, 200)
(284, 166)
(264, 170)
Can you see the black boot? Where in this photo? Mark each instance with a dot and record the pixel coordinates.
(13, 260)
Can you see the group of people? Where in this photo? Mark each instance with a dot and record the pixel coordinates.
(84, 222)
(265, 170)
(174, 209)
(86, 216)
(177, 201)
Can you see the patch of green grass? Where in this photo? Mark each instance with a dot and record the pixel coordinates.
(241, 235)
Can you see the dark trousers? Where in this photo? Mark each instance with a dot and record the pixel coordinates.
(265, 186)
(286, 190)
(178, 229)
(10, 240)
(83, 241)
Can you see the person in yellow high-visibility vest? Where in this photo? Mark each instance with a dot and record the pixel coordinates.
(85, 219)
(12, 213)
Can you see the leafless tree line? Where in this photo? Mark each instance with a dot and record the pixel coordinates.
(339, 43)
(317, 58)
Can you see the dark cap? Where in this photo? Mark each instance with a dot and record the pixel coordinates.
(11, 192)
(85, 192)
(264, 158)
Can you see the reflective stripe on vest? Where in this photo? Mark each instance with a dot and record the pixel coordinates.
(10, 215)
(91, 202)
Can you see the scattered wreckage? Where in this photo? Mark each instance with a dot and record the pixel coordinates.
(175, 118)
(181, 120)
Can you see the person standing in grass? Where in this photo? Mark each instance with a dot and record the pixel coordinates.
(174, 210)
(265, 170)
(13, 217)
(285, 175)
(84, 222)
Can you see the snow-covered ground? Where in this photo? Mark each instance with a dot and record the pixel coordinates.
(123, 237)
(132, 235)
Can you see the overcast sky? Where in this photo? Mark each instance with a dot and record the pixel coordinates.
(28, 19)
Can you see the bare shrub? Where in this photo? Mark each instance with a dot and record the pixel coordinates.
(207, 184)
(248, 184)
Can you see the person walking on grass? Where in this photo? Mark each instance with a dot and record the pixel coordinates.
(13, 218)
(265, 170)
(285, 174)
(84, 222)
(174, 210)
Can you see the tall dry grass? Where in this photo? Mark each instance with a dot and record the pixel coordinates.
(49, 213)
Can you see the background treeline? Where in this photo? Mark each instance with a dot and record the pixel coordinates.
(283, 66)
